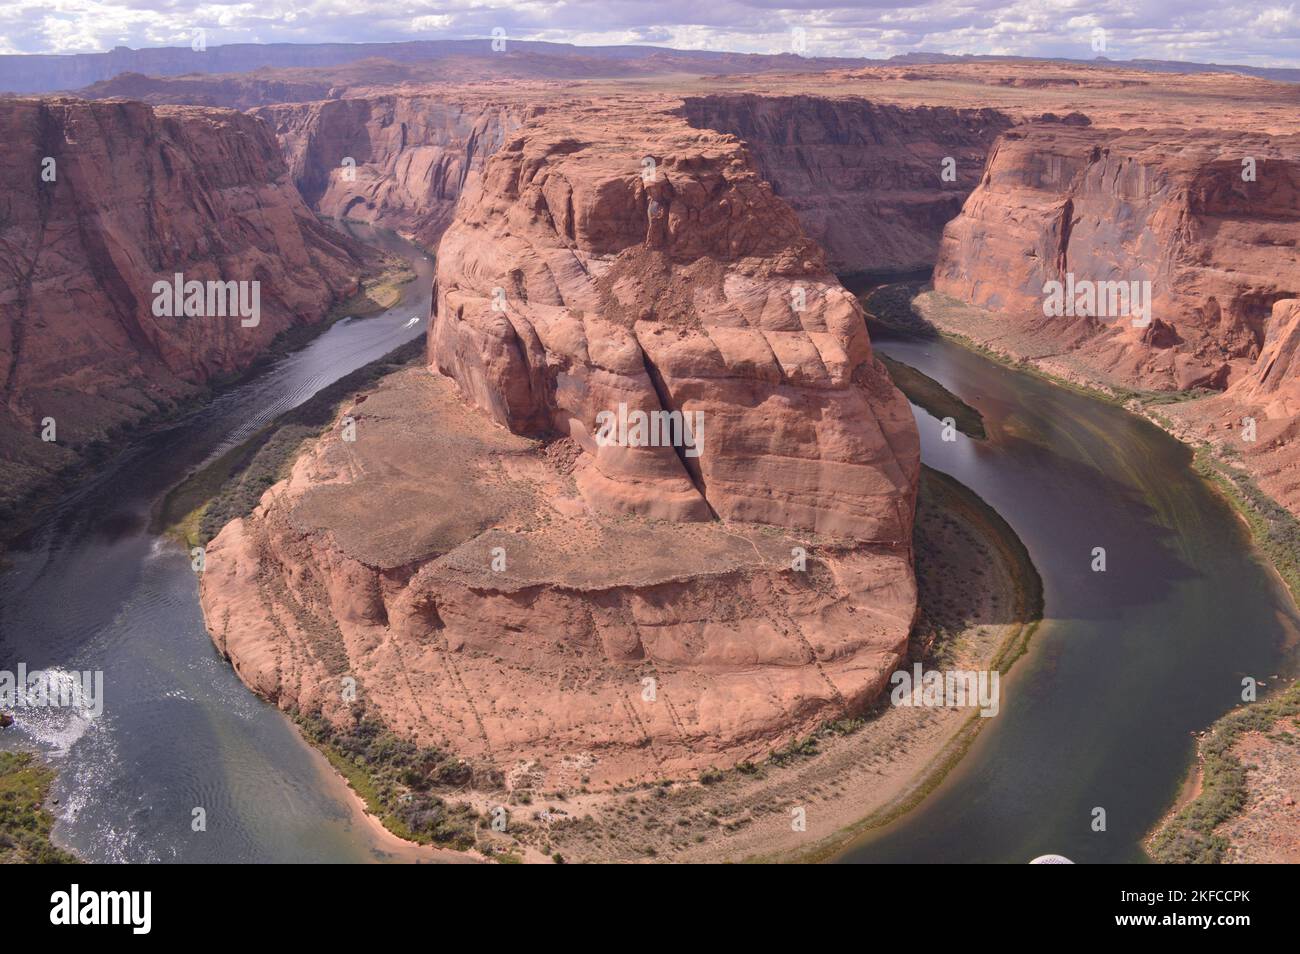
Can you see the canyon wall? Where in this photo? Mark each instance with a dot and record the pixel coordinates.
(1209, 218)
(866, 179)
(502, 580)
(412, 155)
(1168, 207)
(105, 199)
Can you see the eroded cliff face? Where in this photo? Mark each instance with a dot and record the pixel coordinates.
(867, 180)
(1257, 419)
(574, 282)
(411, 155)
(500, 580)
(105, 199)
(1171, 208)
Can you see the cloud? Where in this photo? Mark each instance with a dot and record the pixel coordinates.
(1202, 30)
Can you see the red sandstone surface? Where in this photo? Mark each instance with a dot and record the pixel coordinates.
(671, 290)
(1167, 207)
(1209, 218)
(399, 160)
(139, 194)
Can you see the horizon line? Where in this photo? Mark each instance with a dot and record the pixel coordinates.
(1098, 60)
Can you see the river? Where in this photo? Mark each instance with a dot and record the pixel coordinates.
(93, 589)
(1099, 713)
(1128, 662)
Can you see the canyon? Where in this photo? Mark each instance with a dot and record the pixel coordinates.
(401, 161)
(458, 556)
(865, 179)
(1209, 219)
(1053, 172)
(108, 198)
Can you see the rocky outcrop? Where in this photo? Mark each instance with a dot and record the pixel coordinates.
(869, 181)
(397, 160)
(1175, 208)
(105, 199)
(1257, 419)
(499, 577)
(1273, 384)
(574, 281)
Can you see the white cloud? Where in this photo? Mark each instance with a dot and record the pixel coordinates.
(1207, 30)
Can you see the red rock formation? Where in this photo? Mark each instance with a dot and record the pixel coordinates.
(139, 194)
(865, 179)
(611, 612)
(1167, 207)
(414, 154)
(1258, 418)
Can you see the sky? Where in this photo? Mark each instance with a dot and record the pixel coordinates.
(1263, 33)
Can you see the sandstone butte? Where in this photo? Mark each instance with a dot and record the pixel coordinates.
(653, 615)
(139, 194)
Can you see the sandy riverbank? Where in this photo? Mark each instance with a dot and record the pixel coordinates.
(1241, 803)
(980, 602)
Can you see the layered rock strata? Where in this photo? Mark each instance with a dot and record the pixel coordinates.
(1203, 225)
(873, 184)
(106, 199)
(1171, 210)
(501, 578)
(398, 160)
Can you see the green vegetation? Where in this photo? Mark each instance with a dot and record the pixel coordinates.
(941, 493)
(934, 398)
(230, 487)
(397, 780)
(1275, 529)
(1189, 837)
(377, 294)
(796, 749)
(24, 822)
(891, 306)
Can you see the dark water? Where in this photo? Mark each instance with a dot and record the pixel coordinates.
(1127, 662)
(93, 589)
